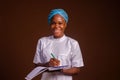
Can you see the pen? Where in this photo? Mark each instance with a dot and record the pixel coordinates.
(52, 55)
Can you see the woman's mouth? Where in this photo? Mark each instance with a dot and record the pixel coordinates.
(57, 30)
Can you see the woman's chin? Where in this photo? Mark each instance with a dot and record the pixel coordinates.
(57, 35)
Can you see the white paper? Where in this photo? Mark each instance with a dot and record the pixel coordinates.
(36, 71)
(57, 68)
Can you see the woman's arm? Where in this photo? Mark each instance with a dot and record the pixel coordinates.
(71, 71)
(52, 62)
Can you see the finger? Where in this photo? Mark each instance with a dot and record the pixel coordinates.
(52, 59)
(54, 62)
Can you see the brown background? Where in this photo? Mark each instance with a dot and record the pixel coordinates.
(93, 23)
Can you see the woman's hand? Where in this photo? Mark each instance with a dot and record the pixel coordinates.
(71, 71)
(54, 62)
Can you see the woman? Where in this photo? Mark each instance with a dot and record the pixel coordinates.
(66, 50)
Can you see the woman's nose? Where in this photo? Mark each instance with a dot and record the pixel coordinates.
(57, 26)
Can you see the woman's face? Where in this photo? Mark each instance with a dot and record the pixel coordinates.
(58, 26)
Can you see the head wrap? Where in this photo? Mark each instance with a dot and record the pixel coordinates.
(57, 11)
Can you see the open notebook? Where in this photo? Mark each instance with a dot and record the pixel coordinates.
(38, 70)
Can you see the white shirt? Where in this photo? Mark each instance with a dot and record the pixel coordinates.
(65, 49)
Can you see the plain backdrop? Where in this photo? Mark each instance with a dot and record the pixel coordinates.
(94, 24)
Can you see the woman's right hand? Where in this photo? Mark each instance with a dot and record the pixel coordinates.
(54, 62)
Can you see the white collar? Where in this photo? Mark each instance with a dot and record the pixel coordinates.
(58, 39)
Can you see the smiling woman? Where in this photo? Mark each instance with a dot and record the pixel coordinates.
(58, 19)
(65, 49)
(58, 26)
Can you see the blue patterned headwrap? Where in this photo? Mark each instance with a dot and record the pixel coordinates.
(57, 11)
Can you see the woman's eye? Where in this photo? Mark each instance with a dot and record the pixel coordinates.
(60, 23)
(52, 22)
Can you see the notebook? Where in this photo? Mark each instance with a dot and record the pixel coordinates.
(38, 70)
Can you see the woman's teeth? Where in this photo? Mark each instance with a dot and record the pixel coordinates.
(56, 30)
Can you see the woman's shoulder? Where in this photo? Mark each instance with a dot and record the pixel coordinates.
(45, 38)
(72, 40)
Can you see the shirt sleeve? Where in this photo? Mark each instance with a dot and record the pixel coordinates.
(77, 60)
(38, 56)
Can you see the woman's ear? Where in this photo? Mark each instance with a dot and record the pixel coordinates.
(65, 24)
